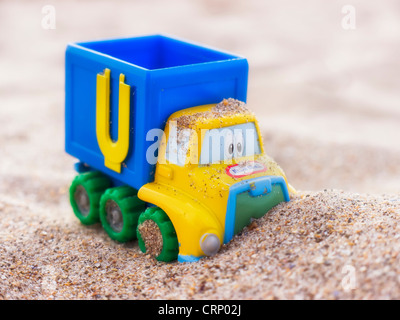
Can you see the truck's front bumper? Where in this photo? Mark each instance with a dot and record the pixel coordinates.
(251, 199)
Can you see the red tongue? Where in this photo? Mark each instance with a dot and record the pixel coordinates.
(244, 169)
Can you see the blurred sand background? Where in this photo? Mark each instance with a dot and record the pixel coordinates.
(328, 103)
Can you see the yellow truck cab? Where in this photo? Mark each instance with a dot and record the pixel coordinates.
(209, 193)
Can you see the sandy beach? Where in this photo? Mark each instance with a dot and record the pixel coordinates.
(327, 100)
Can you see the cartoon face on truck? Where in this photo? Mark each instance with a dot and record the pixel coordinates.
(208, 176)
(232, 142)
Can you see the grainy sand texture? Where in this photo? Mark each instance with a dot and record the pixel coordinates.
(327, 100)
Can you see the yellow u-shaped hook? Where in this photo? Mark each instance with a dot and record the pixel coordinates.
(114, 152)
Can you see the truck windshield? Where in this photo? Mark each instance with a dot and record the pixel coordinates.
(225, 144)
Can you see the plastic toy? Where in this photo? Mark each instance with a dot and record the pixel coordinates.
(182, 192)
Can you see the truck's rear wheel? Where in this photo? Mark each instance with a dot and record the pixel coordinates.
(156, 235)
(85, 193)
(120, 209)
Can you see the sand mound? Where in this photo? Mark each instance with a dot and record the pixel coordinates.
(321, 245)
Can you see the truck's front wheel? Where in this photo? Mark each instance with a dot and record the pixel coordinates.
(156, 235)
(85, 193)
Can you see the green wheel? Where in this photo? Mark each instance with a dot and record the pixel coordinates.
(156, 235)
(85, 193)
(120, 209)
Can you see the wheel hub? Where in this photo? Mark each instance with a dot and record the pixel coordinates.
(114, 216)
(82, 200)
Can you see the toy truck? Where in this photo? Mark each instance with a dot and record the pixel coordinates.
(168, 151)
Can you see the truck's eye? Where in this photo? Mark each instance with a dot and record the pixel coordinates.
(239, 147)
(239, 144)
(229, 146)
(230, 149)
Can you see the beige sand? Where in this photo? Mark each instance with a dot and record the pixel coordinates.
(321, 245)
(327, 100)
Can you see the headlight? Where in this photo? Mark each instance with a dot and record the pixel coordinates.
(209, 244)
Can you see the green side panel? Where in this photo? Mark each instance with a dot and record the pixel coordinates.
(248, 207)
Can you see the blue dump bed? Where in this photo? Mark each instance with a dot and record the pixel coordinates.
(164, 74)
